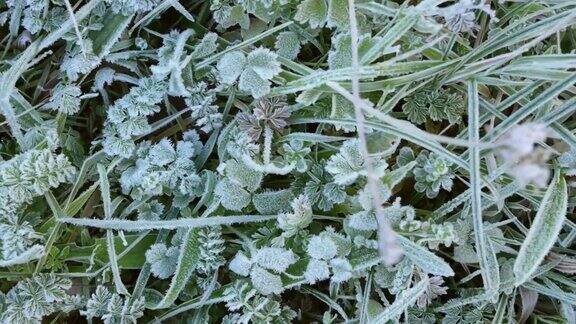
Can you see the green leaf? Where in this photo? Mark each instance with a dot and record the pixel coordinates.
(105, 38)
(405, 299)
(287, 44)
(338, 14)
(105, 191)
(424, 259)
(486, 255)
(544, 230)
(313, 12)
(189, 255)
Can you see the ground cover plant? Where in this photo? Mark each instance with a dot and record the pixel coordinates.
(278, 161)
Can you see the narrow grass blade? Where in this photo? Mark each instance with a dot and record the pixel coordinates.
(405, 300)
(327, 300)
(424, 259)
(531, 107)
(488, 261)
(104, 39)
(107, 205)
(128, 225)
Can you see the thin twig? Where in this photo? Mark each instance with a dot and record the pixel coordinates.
(76, 28)
(389, 250)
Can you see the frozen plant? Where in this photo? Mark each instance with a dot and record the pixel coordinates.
(253, 71)
(33, 173)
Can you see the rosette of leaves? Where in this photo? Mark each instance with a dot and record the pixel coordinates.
(271, 113)
(432, 173)
(434, 104)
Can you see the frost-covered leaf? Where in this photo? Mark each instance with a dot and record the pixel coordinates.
(314, 12)
(242, 175)
(206, 46)
(426, 260)
(338, 14)
(276, 259)
(230, 66)
(348, 164)
(265, 282)
(65, 99)
(232, 196)
(272, 202)
(322, 248)
(544, 230)
(162, 260)
(241, 264)
(316, 270)
(341, 270)
(287, 44)
(254, 71)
